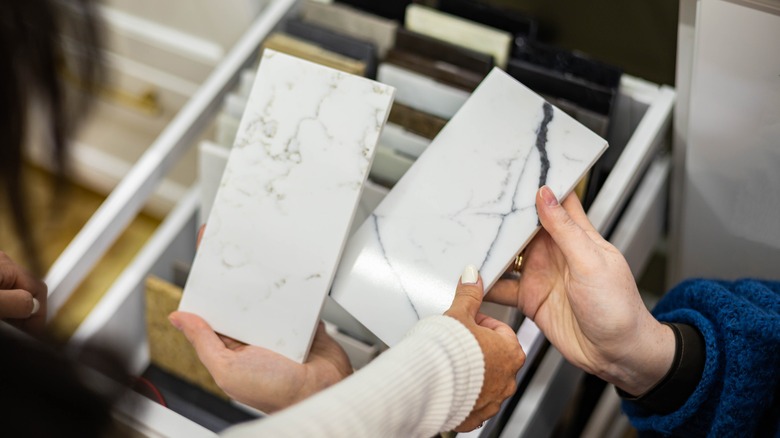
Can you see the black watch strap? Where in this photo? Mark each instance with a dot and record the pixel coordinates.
(674, 389)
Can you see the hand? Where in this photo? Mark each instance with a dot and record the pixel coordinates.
(22, 297)
(259, 377)
(580, 292)
(501, 350)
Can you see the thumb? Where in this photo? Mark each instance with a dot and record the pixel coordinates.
(468, 295)
(564, 230)
(198, 332)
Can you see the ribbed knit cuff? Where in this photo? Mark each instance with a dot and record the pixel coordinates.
(466, 359)
(671, 392)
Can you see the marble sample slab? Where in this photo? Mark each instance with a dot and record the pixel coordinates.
(456, 30)
(418, 122)
(285, 203)
(336, 42)
(421, 92)
(311, 52)
(398, 139)
(457, 77)
(443, 51)
(389, 166)
(349, 21)
(470, 198)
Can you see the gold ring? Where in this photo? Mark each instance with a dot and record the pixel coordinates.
(517, 266)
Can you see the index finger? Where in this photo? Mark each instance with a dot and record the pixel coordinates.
(17, 304)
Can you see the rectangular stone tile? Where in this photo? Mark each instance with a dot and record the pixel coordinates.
(285, 203)
(469, 199)
(460, 31)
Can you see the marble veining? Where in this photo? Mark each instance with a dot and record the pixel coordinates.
(285, 203)
(469, 198)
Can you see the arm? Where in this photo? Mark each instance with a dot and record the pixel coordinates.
(737, 392)
(452, 371)
(427, 383)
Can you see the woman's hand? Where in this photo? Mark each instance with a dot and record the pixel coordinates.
(500, 348)
(580, 292)
(259, 377)
(22, 297)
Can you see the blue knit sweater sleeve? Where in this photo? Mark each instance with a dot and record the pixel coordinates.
(739, 389)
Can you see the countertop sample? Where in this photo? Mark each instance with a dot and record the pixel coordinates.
(468, 199)
(285, 203)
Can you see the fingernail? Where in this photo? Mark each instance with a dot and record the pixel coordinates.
(470, 275)
(36, 306)
(548, 196)
(174, 322)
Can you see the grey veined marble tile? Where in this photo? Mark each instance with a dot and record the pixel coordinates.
(469, 198)
(285, 203)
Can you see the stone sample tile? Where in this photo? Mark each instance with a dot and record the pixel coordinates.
(287, 198)
(353, 22)
(415, 121)
(335, 42)
(421, 92)
(470, 198)
(311, 52)
(443, 51)
(456, 30)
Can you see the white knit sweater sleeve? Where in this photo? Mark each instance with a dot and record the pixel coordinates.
(427, 383)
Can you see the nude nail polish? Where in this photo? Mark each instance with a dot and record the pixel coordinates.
(548, 196)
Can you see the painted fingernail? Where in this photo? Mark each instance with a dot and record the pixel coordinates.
(470, 275)
(36, 306)
(174, 322)
(548, 196)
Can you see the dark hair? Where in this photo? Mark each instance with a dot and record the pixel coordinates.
(41, 43)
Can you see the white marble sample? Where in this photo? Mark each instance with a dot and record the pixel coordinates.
(470, 198)
(422, 92)
(212, 159)
(353, 22)
(285, 203)
(399, 139)
(389, 166)
(460, 31)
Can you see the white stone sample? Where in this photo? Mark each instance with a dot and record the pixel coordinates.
(468, 199)
(460, 31)
(422, 92)
(287, 198)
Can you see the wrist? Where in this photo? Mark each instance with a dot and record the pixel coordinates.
(646, 362)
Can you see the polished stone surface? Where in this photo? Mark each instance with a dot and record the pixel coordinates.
(456, 30)
(469, 199)
(285, 203)
(422, 92)
(353, 22)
